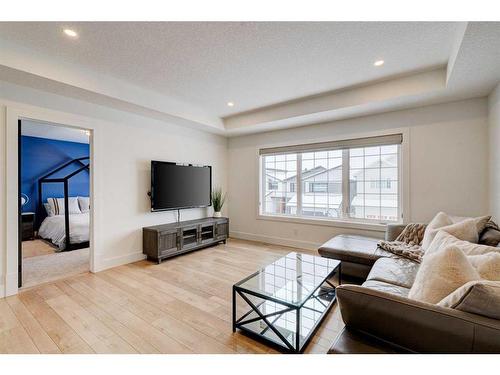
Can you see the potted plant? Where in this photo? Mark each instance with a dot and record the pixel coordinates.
(218, 199)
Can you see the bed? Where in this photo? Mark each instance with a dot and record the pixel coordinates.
(67, 221)
(53, 229)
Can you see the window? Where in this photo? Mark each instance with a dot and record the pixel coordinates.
(350, 180)
(280, 172)
(272, 185)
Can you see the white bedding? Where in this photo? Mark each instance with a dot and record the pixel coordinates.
(52, 229)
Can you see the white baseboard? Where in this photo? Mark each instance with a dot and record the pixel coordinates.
(105, 264)
(10, 284)
(276, 240)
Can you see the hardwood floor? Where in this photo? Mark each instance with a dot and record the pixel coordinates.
(180, 306)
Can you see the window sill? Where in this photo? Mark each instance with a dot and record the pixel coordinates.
(376, 227)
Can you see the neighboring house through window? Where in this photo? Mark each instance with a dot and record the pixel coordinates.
(350, 180)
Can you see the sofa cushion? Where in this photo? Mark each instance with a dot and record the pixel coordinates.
(396, 271)
(386, 288)
(352, 248)
(440, 273)
(477, 297)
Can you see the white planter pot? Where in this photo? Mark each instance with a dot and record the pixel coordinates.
(217, 214)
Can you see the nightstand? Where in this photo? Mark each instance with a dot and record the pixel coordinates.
(28, 226)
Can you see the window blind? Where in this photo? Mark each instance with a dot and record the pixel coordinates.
(383, 140)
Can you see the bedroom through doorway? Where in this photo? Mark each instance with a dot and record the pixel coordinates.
(54, 202)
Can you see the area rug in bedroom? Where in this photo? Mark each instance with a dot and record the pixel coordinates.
(45, 268)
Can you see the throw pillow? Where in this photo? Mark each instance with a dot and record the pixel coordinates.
(48, 209)
(440, 220)
(463, 230)
(84, 203)
(487, 265)
(490, 236)
(481, 221)
(444, 239)
(57, 205)
(440, 273)
(477, 297)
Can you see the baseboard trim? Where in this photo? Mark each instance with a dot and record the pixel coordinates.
(275, 240)
(108, 263)
(10, 284)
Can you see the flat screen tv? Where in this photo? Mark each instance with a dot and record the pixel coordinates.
(175, 186)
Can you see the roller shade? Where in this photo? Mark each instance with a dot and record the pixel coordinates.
(383, 140)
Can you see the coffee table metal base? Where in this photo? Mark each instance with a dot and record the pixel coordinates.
(284, 325)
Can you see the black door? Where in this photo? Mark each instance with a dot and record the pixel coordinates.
(19, 229)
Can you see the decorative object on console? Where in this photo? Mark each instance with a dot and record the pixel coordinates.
(218, 199)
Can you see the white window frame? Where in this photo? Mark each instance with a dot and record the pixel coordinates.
(351, 223)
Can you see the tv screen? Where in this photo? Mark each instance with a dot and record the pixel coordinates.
(175, 186)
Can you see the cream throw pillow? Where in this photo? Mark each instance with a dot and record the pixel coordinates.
(487, 265)
(440, 273)
(485, 259)
(477, 297)
(443, 239)
(466, 229)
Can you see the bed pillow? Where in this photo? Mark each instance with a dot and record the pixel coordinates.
(84, 203)
(441, 273)
(477, 297)
(57, 205)
(48, 209)
(466, 229)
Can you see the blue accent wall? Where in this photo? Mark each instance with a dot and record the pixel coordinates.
(39, 156)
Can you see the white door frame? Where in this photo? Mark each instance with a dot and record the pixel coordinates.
(14, 112)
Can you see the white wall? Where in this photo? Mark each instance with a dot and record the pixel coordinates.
(124, 146)
(447, 168)
(494, 151)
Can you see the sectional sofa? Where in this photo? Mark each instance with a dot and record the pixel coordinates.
(380, 318)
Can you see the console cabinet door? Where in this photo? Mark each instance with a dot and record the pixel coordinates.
(168, 242)
(221, 230)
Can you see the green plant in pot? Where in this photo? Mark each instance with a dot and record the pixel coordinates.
(218, 199)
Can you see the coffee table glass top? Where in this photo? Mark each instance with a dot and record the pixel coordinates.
(291, 279)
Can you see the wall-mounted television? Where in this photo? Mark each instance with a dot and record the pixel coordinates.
(175, 186)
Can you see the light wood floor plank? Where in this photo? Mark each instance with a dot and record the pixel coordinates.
(180, 306)
(66, 339)
(40, 338)
(13, 337)
(160, 341)
(139, 344)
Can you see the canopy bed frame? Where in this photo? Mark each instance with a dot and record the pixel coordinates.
(65, 181)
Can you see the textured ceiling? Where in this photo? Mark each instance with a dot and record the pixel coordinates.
(251, 64)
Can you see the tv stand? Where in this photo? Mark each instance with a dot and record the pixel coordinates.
(160, 242)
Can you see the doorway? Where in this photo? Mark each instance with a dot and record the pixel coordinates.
(54, 166)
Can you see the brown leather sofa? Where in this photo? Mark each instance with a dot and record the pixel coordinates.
(378, 316)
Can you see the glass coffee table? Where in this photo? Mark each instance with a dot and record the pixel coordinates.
(285, 302)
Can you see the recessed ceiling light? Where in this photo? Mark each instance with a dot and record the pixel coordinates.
(230, 104)
(71, 33)
(379, 63)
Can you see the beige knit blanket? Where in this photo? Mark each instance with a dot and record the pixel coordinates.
(407, 244)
